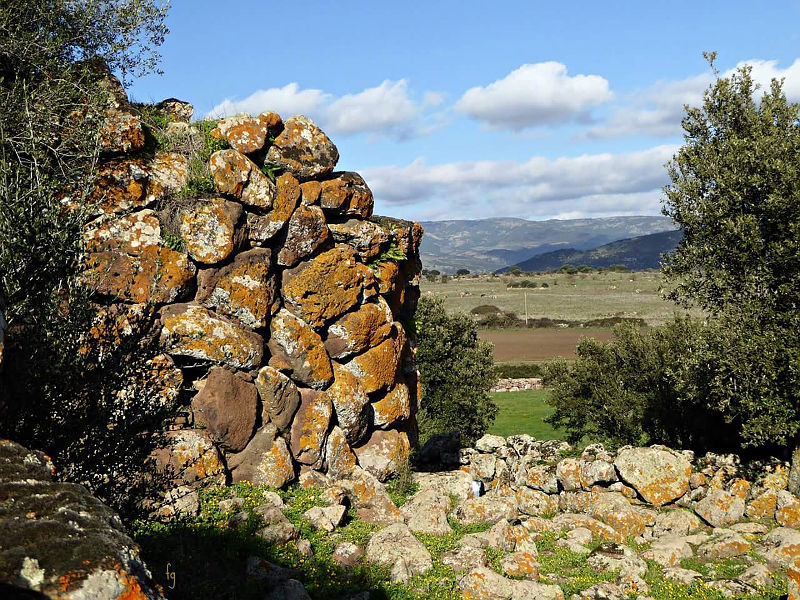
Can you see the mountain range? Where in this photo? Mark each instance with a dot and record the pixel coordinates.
(488, 245)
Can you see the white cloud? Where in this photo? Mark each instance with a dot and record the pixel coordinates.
(658, 110)
(535, 94)
(598, 184)
(387, 109)
(286, 101)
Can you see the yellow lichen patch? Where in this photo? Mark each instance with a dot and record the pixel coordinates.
(360, 330)
(377, 367)
(387, 273)
(208, 230)
(120, 185)
(764, 506)
(739, 488)
(293, 342)
(231, 171)
(789, 515)
(393, 407)
(521, 564)
(310, 427)
(325, 287)
(276, 465)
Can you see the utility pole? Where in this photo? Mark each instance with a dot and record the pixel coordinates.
(526, 307)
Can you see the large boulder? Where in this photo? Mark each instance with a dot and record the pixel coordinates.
(265, 461)
(325, 287)
(194, 331)
(346, 193)
(58, 541)
(310, 427)
(720, 508)
(227, 407)
(298, 348)
(245, 289)
(279, 397)
(209, 229)
(384, 453)
(236, 175)
(397, 548)
(377, 367)
(658, 475)
(245, 133)
(303, 149)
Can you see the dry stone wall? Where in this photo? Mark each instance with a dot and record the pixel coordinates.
(278, 298)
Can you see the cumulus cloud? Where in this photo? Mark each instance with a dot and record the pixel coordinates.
(658, 110)
(387, 109)
(535, 94)
(288, 100)
(596, 184)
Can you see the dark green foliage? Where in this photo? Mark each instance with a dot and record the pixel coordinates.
(640, 388)
(518, 370)
(456, 372)
(734, 192)
(61, 388)
(462, 272)
(485, 309)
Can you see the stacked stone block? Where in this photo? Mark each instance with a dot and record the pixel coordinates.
(279, 298)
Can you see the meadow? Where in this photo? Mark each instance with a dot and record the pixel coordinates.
(524, 412)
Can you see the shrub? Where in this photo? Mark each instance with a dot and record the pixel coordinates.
(456, 372)
(639, 389)
(485, 309)
(518, 370)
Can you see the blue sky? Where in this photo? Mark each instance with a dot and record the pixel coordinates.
(464, 110)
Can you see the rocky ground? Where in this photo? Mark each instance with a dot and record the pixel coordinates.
(636, 524)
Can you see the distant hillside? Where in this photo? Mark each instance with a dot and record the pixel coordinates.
(491, 244)
(642, 252)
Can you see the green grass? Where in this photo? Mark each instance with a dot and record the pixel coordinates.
(524, 412)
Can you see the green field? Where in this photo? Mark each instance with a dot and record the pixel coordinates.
(524, 412)
(580, 297)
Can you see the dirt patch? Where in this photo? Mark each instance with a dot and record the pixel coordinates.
(539, 344)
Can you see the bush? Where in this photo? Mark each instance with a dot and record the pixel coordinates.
(639, 389)
(456, 372)
(485, 309)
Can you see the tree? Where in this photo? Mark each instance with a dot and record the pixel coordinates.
(734, 193)
(462, 272)
(62, 387)
(456, 371)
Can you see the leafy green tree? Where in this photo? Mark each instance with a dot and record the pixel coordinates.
(462, 272)
(734, 193)
(61, 390)
(456, 371)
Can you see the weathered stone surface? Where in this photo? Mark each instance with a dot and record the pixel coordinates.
(787, 512)
(465, 558)
(384, 452)
(393, 408)
(397, 548)
(539, 477)
(194, 331)
(426, 512)
(720, 508)
(177, 110)
(291, 589)
(310, 427)
(265, 461)
(369, 498)
(520, 565)
(58, 540)
(486, 509)
(209, 229)
(482, 467)
(326, 518)
(668, 551)
(763, 506)
(534, 502)
(190, 457)
(780, 546)
(598, 472)
(454, 483)
(245, 289)
(793, 579)
(121, 131)
(724, 543)
(682, 576)
(245, 133)
(366, 238)
(377, 367)
(490, 443)
(659, 476)
(168, 173)
(615, 510)
(339, 458)
(304, 149)
(346, 193)
(227, 407)
(615, 557)
(279, 397)
(261, 228)
(236, 175)
(346, 554)
(599, 530)
(307, 233)
(325, 287)
(484, 584)
(569, 473)
(350, 404)
(675, 523)
(278, 529)
(357, 331)
(128, 260)
(295, 344)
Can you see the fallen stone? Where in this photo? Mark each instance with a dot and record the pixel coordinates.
(368, 496)
(346, 554)
(724, 543)
(465, 558)
(682, 576)
(659, 476)
(397, 548)
(485, 509)
(326, 518)
(426, 512)
(521, 565)
(384, 453)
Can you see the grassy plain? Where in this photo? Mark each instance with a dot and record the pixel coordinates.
(524, 412)
(580, 297)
